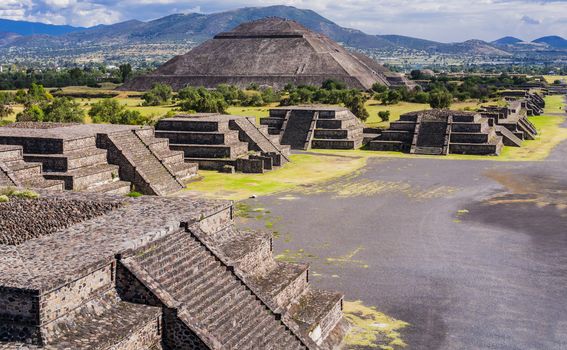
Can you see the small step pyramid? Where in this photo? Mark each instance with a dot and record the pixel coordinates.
(223, 142)
(439, 132)
(305, 127)
(100, 158)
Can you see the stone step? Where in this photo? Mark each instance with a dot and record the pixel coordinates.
(181, 124)
(112, 187)
(471, 137)
(40, 182)
(132, 325)
(184, 171)
(336, 144)
(251, 252)
(10, 153)
(467, 127)
(391, 146)
(212, 151)
(23, 170)
(397, 135)
(403, 125)
(168, 156)
(86, 177)
(282, 283)
(350, 132)
(317, 312)
(69, 160)
(199, 137)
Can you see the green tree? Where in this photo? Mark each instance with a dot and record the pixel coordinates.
(391, 97)
(32, 113)
(379, 88)
(125, 71)
(440, 99)
(107, 110)
(159, 94)
(5, 111)
(64, 110)
(356, 106)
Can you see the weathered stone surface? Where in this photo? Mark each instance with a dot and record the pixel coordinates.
(152, 272)
(439, 132)
(313, 126)
(216, 141)
(270, 51)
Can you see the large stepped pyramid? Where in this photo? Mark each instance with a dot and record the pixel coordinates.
(221, 142)
(305, 127)
(183, 277)
(439, 132)
(99, 158)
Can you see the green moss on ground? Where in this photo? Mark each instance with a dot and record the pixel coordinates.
(371, 328)
(554, 104)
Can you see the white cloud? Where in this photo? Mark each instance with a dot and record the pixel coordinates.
(451, 20)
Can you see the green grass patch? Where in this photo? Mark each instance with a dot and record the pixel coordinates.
(554, 104)
(371, 328)
(134, 194)
(303, 170)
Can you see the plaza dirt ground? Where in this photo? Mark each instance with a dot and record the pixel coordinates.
(470, 253)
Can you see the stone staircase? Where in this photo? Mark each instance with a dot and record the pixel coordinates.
(15, 171)
(297, 129)
(80, 166)
(222, 142)
(315, 127)
(210, 298)
(140, 165)
(314, 313)
(439, 132)
(259, 139)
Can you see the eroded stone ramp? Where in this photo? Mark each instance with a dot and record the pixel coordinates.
(210, 298)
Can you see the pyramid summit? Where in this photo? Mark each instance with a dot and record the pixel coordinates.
(271, 51)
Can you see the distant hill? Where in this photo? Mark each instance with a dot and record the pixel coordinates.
(553, 41)
(32, 28)
(7, 38)
(182, 31)
(507, 40)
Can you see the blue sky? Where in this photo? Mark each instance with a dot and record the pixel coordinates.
(454, 20)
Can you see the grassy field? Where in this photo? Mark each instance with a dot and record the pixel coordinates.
(303, 170)
(550, 79)
(555, 104)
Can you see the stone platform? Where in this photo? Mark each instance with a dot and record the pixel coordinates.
(223, 142)
(99, 158)
(439, 132)
(305, 127)
(151, 273)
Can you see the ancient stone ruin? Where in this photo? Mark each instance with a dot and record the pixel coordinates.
(151, 273)
(223, 142)
(440, 132)
(94, 158)
(272, 52)
(511, 122)
(530, 101)
(305, 127)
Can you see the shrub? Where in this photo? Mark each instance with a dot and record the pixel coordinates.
(134, 194)
(440, 99)
(384, 115)
(4, 199)
(159, 94)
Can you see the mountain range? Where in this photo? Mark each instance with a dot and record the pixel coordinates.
(190, 29)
